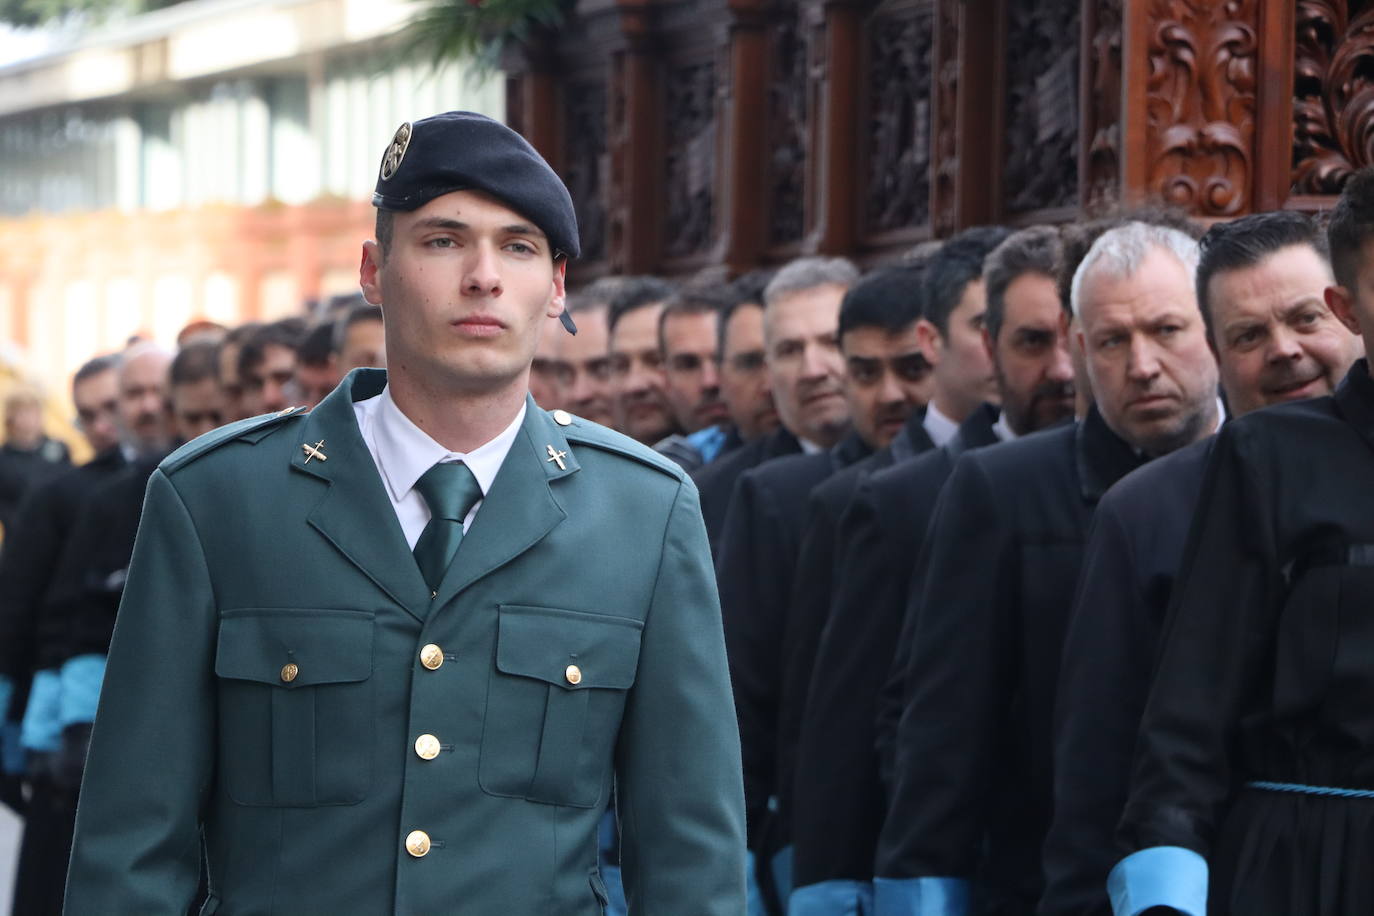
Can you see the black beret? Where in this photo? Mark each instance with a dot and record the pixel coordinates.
(465, 151)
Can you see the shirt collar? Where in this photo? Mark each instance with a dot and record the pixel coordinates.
(404, 451)
(1002, 430)
(940, 427)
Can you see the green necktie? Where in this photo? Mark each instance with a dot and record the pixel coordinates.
(450, 491)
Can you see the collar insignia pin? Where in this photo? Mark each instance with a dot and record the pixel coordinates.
(555, 455)
(314, 451)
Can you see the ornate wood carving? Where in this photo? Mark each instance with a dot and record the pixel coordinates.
(1102, 120)
(1200, 105)
(1040, 113)
(1333, 94)
(691, 155)
(617, 194)
(900, 46)
(787, 127)
(944, 174)
(586, 163)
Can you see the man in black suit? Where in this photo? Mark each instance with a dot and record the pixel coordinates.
(971, 800)
(1261, 284)
(840, 800)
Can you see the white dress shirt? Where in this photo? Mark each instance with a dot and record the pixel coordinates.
(403, 452)
(939, 427)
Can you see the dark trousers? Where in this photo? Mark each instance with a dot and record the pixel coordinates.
(41, 877)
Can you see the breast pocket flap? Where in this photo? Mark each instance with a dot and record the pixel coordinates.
(574, 650)
(295, 648)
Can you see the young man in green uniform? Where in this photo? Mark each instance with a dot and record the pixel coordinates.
(386, 656)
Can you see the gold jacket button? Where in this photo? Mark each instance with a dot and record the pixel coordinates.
(417, 843)
(573, 674)
(427, 747)
(562, 418)
(431, 656)
(289, 672)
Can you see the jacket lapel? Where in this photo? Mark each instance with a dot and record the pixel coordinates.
(356, 515)
(519, 510)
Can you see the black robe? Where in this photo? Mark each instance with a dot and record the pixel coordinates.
(716, 480)
(1132, 559)
(834, 688)
(1265, 670)
(972, 793)
(754, 569)
(811, 592)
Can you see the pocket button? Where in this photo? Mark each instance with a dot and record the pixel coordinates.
(289, 672)
(573, 674)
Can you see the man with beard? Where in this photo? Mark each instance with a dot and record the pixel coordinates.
(140, 420)
(841, 799)
(882, 385)
(972, 794)
(1250, 768)
(638, 399)
(953, 305)
(267, 366)
(689, 334)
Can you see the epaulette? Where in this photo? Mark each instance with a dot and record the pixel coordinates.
(251, 429)
(585, 432)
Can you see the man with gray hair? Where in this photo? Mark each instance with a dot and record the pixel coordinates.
(973, 781)
(801, 316)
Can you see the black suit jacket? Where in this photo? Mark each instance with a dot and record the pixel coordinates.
(973, 785)
(833, 690)
(755, 568)
(716, 481)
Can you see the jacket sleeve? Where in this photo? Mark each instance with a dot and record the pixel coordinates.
(137, 845)
(679, 795)
(1218, 635)
(1104, 678)
(961, 671)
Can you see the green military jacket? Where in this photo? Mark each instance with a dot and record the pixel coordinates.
(282, 684)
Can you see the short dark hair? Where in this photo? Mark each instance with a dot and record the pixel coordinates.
(1351, 225)
(317, 345)
(287, 333)
(699, 300)
(355, 315)
(196, 361)
(385, 230)
(951, 269)
(1246, 241)
(888, 298)
(635, 293)
(1077, 240)
(1036, 249)
(94, 366)
(746, 289)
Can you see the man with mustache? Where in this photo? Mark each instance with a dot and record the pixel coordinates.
(689, 337)
(267, 366)
(640, 403)
(840, 797)
(1261, 282)
(882, 378)
(366, 659)
(995, 580)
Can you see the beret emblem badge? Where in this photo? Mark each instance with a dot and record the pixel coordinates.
(391, 160)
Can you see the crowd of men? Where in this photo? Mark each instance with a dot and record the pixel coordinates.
(949, 502)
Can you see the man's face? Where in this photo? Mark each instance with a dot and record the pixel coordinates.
(691, 374)
(197, 408)
(24, 424)
(468, 284)
(266, 386)
(637, 382)
(744, 374)
(364, 344)
(96, 399)
(1031, 355)
(142, 415)
(544, 383)
(1152, 372)
(310, 384)
(1275, 338)
(885, 375)
(584, 367)
(229, 382)
(805, 368)
(964, 373)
